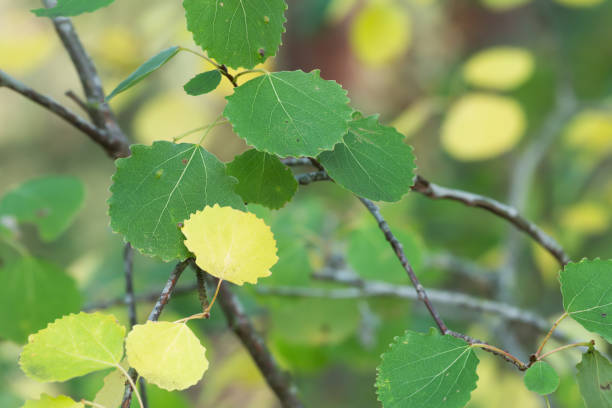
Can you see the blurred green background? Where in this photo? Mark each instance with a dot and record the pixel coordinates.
(507, 98)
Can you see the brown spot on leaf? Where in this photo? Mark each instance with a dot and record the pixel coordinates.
(605, 386)
(185, 161)
(43, 212)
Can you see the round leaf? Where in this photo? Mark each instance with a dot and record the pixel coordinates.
(587, 297)
(262, 179)
(166, 354)
(289, 113)
(430, 370)
(50, 203)
(472, 131)
(111, 393)
(541, 378)
(73, 346)
(371, 161)
(232, 245)
(46, 401)
(203, 83)
(158, 187)
(501, 68)
(38, 293)
(595, 380)
(237, 33)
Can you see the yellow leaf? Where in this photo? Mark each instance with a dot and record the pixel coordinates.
(415, 116)
(580, 3)
(503, 5)
(46, 401)
(111, 393)
(381, 32)
(166, 354)
(481, 126)
(25, 42)
(586, 218)
(501, 68)
(591, 132)
(230, 244)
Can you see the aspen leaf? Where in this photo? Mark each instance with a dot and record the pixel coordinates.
(500, 68)
(69, 8)
(595, 380)
(541, 378)
(46, 401)
(73, 346)
(166, 354)
(232, 245)
(203, 83)
(481, 126)
(111, 393)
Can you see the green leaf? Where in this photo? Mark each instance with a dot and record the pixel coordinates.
(430, 370)
(73, 346)
(371, 257)
(237, 33)
(203, 83)
(541, 378)
(290, 113)
(371, 161)
(46, 401)
(595, 380)
(152, 64)
(587, 297)
(111, 393)
(166, 354)
(50, 203)
(70, 8)
(158, 187)
(38, 293)
(262, 179)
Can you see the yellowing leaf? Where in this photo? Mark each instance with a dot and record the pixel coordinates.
(580, 3)
(381, 32)
(166, 354)
(47, 401)
(591, 132)
(35, 43)
(586, 218)
(503, 5)
(481, 126)
(413, 118)
(501, 68)
(230, 244)
(111, 393)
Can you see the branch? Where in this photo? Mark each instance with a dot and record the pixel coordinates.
(164, 297)
(506, 212)
(307, 178)
(278, 380)
(97, 135)
(115, 143)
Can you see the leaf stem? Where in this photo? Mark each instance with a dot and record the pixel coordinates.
(91, 403)
(201, 56)
(550, 332)
(134, 388)
(250, 71)
(189, 132)
(521, 365)
(206, 313)
(568, 346)
(16, 246)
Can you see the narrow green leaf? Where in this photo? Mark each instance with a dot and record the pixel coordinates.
(587, 297)
(38, 293)
(73, 346)
(46, 401)
(50, 203)
(70, 8)
(157, 188)
(290, 113)
(371, 161)
(166, 354)
(203, 83)
(541, 378)
(145, 70)
(262, 179)
(595, 380)
(237, 33)
(427, 370)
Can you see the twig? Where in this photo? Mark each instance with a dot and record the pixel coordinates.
(97, 135)
(299, 161)
(115, 143)
(522, 366)
(70, 94)
(307, 178)
(164, 297)
(278, 380)
(145, 297)
(506, 212)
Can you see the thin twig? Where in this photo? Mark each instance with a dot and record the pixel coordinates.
(522, 366)
(307, 178)
(279, 381)
(296, 161)
(506, 212)
(80, 103)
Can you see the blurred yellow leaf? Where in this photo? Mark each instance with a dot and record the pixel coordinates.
(381, 32)
(167, 115)
(337, 10)
(548, 266)
(46, 401)
(580, 3)
(586, 218)
(25, 42)
(503, 5)
(501, 68)
(481, 126)
(591, 132)
(413, 118)
(231, 244)
(119, 48)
